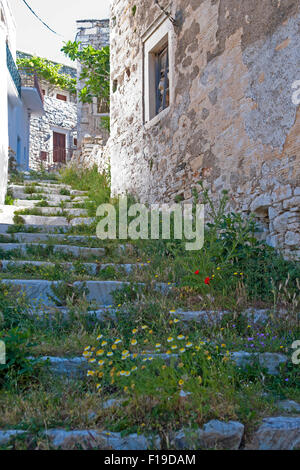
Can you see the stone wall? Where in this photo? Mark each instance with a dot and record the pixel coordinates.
(231, 123)
(96, 34)
(92, 152)
(60, 116)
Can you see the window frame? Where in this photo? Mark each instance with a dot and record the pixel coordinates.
(155, 39)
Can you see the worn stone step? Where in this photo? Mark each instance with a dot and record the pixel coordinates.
(92, 268)
(19, 189)
(7, 214)
(47, 184)
(32, 204)
(103, 313)
(25, 203)
(35, 197)
(269, 361)
(94, 439)
(23, 237)
(38, 291)
(55, 221)
(87, 439)
(98, 292)
(277, 433)
(214, 434)
(79, 365)
(5, 228)
(213, 317)
(75, 251)
(58, 211)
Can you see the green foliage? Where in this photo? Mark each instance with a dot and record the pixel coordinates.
(42, 203)
(48, 71)
(18, 367)
(9, 200)
(65, 293)
(233, 257)
(64, 192)
(95, 71)
(97, 185)
(18, 220)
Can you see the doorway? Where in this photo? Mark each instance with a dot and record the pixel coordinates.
(59, 147)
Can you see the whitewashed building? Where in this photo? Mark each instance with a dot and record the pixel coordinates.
(20, 98)
(53, 135)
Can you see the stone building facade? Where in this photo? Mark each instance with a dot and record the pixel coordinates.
(90, 132)
(53, 136)
(209, 93)
(47, 149)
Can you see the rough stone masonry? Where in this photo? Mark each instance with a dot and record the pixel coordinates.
(231, 121)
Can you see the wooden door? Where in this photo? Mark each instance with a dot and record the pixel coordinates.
(59, 147)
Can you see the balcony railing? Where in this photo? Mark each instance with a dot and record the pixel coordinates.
(13, 69)
(29, 79)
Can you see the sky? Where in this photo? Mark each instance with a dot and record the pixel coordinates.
(61, 15)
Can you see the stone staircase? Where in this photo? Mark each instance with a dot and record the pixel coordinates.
(46, 240)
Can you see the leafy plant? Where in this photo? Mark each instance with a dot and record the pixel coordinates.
(18, 366)
(47, 70)
(9, 200)
(95, 72)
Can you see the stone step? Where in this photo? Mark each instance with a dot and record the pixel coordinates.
(57, 211)
(38, 291)
(24, 237)
(46, 184)
(78, 366)
(275, 433)
(87, 439)
(269, 361)
(74, 251)
(103, 313)
(92, 268)
(55, 221)
(31, 204)
(5, 228)
(19, 189)
(213, 317)
(214, 434)
(50, 198)
(98, 292)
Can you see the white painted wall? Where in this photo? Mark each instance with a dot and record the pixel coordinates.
(18, 133)
(14, 114)
(3, 111)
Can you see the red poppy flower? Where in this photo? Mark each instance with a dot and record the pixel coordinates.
(197, 272)
(207, 281)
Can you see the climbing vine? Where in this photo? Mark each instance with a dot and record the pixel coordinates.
(95, 70)
(48, 71)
